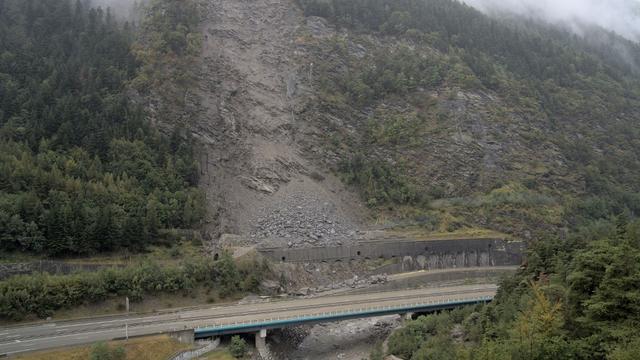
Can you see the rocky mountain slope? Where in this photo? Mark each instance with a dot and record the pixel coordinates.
(427, 122)
(258, 181)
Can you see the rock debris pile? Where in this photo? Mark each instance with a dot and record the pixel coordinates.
(354, 283)
(304, 220)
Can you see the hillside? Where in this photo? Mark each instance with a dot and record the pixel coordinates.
(510, 125)
(442, 115)
(96, 164)
(260, 183)
(82, 170)
(444, 118)
(308, 123)
(441, 118)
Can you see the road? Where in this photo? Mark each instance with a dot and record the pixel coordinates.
(52, 334)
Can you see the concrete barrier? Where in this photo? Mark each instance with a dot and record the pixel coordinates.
(412, 254)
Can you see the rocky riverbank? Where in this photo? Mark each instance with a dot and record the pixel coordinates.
(345, 340)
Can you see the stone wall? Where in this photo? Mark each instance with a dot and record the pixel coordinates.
(205, 347)
(412, 254)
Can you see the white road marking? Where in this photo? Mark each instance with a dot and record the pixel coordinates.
(58, 336)
(101, 322)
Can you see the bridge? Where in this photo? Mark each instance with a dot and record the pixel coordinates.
(239, 318)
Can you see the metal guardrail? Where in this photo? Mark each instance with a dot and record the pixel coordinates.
(221, 327)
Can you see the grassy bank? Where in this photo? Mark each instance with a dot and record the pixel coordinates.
(145, 348)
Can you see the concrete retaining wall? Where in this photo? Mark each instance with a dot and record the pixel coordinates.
(183, 336)
(413, 254)
(194, 354)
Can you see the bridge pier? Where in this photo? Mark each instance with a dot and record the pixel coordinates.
(261, 345)
(183, 336)
(407, 316)
(261, 339)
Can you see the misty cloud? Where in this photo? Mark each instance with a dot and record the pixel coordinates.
(620, 16)
(122, 8)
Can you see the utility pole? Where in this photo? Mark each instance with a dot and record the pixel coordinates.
(126, 321)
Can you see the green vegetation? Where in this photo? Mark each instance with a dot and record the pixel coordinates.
(140, 348)
(429, 337)
(238, 347)
(377, 353)
(379, 182)
(81, 169)
(446, 24)
(102, 351)
(168, 47)
(441, 81)
(43, 294)
(576, 299)
(458, 121)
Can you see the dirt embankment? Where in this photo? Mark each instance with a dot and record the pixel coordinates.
(258, 181)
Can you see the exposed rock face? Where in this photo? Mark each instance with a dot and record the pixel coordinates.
(347, 340)
(254, 79)
(270, 287)
(271, 136)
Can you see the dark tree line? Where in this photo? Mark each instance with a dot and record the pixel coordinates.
(526, 47)
(42, 294)
(81, 169)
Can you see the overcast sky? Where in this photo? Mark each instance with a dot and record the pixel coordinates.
(621, 16)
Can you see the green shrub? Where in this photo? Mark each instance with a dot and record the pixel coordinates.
(238, 347)
(42, 294)
(102, 351)
(379, 182)
(377, 353)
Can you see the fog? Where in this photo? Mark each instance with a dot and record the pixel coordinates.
(619, 16)
(122, 8)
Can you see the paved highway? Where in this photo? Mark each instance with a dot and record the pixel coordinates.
(51, 334)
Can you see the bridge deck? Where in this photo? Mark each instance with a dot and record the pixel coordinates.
(328, 316)
(234, 318)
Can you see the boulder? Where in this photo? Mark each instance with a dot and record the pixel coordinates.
(269, 287)
(303, 291)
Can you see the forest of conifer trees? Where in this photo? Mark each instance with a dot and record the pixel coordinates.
(81, 169)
